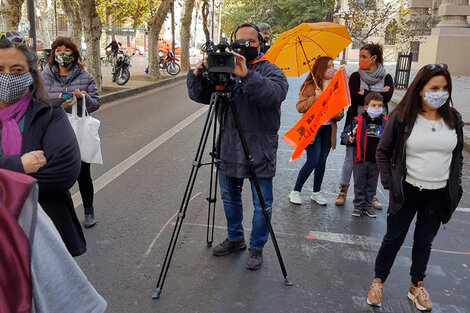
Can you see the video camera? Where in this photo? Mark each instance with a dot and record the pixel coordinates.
(221, 61)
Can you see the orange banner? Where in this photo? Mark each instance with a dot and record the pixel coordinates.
(334, 98)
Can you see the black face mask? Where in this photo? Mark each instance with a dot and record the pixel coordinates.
(250, 53)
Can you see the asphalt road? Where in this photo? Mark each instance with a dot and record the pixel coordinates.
(149, 143)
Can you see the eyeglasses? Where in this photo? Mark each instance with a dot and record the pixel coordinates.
(15, 38)
(434, 66)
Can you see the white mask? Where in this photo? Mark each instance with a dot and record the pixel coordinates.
(436, 99)
(374, 112)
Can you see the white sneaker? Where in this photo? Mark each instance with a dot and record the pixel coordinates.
(294, 197)
(318, 198)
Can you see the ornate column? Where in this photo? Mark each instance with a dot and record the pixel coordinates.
(435, 19)
(419, 16)
(453, 13)
(450, 40)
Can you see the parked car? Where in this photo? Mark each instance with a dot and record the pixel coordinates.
(39, 43)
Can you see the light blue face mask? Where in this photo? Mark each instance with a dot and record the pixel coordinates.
(374, 112)
(436, 99)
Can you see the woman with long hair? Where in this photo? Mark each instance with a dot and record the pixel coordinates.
(37, 139)
(371, 77)
(66, 78)
(317, 152)
(420, 162)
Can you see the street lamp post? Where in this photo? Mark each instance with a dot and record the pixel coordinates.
(32, 24)
(55, 16)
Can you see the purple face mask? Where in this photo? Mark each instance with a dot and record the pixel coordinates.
(329, 73)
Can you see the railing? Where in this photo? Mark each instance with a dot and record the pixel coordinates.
(402, 71)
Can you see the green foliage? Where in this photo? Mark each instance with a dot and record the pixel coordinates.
(123, 11)
(367, 18)
(282, 15)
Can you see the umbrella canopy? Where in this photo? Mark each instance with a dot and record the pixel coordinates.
(296, 50)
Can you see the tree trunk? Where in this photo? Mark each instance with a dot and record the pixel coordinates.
(92, 32)
(12, 14)
(185, 34)
(154, 26)
(74, 21)
(44, 7)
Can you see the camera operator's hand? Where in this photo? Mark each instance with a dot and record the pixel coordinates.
(200, 66)
(240, 65)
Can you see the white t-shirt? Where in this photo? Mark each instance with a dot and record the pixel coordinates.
(429, 153)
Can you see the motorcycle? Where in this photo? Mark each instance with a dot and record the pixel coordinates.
(121, 72)
(169, 62)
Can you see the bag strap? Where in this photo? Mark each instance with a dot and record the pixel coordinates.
(74, 110)
(84, 110)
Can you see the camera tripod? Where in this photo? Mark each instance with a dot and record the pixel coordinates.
(219, 99)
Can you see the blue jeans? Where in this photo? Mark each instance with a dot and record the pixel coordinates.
(348, 166)
(231, 191)
(317, 152)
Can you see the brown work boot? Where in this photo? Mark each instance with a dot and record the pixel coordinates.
(420, 297)
(374, 297)
(376, 203)
(343, 192)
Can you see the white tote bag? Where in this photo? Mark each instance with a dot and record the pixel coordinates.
(86, 130)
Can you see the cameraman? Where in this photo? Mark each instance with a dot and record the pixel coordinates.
(258, 90)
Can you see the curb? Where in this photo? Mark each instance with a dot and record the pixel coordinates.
(135, 91)
(466, 130)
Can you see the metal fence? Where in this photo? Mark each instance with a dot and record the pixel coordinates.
(403, 69)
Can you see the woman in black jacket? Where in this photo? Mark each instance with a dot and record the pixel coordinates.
(420, 162)
(37, 139)
(370, 77)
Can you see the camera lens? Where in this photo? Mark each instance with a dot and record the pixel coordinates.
(220, 61)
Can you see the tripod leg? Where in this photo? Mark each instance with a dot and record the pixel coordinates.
(212, 198)
(187, 196)
(250, 161)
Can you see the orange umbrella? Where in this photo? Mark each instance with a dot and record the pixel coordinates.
(296, 50)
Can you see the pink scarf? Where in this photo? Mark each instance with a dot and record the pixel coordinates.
(9, 117)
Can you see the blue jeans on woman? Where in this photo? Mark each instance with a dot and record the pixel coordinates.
(231, 190)
(348, 166)
(317, 152)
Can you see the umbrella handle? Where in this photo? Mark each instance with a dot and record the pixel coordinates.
(305, 55)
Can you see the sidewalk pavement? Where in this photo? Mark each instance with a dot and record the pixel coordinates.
(137, 82)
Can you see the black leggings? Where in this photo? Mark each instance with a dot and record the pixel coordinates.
(85, 184)
(428, 205)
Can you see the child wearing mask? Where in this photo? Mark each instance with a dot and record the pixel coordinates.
(366, 130)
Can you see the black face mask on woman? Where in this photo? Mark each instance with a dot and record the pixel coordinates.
(250, 53)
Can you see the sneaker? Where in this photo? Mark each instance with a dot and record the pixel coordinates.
(356, 212)
(294, 197)
(374, 296)
(420, 297)
(255, 259)
(228, 247)
(376, 203)
(369, 212)
(318, 198)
